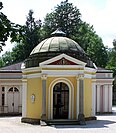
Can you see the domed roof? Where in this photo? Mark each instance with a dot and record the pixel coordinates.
(57, 43)
(54, 46)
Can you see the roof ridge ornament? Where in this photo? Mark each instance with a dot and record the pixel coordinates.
(58, 32)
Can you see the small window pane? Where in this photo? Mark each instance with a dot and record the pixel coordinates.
(3, 88)
(15, 89)
(11, 89)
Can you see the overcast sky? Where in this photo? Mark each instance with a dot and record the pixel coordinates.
(99, 13)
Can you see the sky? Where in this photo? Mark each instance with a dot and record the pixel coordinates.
(99, 13)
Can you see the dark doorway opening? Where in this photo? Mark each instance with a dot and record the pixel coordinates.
(60, 101)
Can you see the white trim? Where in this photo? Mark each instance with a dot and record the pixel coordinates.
(71, 97)
(63, 66)
(89, 76)
(76, 61)
(77, 98)
(11, 79)
(88, 69)
(35, 75)
(32, 69)
(10, 83)
(105, 80)
(62, 72)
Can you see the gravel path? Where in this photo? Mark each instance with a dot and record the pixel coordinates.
(104, 124)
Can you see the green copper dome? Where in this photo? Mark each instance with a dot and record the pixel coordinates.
(54, 46)
(57, 44)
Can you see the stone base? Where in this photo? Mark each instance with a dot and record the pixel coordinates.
(100, 113)
(10, 114)
(90, 118)
(81, 119)
(43, 117)
(31, 121)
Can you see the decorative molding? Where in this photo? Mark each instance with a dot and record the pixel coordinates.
(44, 76)
(88, 69)
(35, 75)
(76, 61)
(32, 70)
(62, 72)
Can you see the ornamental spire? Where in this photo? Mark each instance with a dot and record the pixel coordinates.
(58, 32)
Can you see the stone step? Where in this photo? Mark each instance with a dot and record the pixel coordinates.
(62, 122)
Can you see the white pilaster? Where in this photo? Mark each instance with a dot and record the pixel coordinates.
(24, 98)
(98, 98)
(93, 98)
(77, 97)
(6, 92)
(6, 99)
(105, 98)
(20, 99)
(20, 102)
(110, 97)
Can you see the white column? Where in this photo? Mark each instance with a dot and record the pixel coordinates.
(24, 98)
(98, 99)
(20, 99)
(20, 102)
(6, 99)
(110, 97)
(6, 92)
(105, 98)
(93, 98)
(77, 97)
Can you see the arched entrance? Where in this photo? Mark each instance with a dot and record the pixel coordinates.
(13, 100)
(60, 101)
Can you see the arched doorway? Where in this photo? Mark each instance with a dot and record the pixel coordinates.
(60, 101)
(13, 100)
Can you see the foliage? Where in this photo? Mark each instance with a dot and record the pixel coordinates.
(112, 58)
(2, 63)
(28, 37)
(64, 16)
(7, 28)
(6, 59)
(68, 18)
(112, 62)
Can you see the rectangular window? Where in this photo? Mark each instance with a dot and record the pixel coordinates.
(3, 89)
(3, 99)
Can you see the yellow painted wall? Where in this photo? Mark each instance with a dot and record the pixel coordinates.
(34, 87)
(87, 97)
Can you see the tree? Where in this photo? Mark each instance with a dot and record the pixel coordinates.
(65, 16)
(112, 58)
(7, 28)
(18, 53)
(112, 64)
(1, 62)
(28, 38)
(68, 18)
(6, 59)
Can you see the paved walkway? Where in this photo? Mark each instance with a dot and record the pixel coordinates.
(104, 124)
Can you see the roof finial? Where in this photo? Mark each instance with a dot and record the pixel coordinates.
(58, 32)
